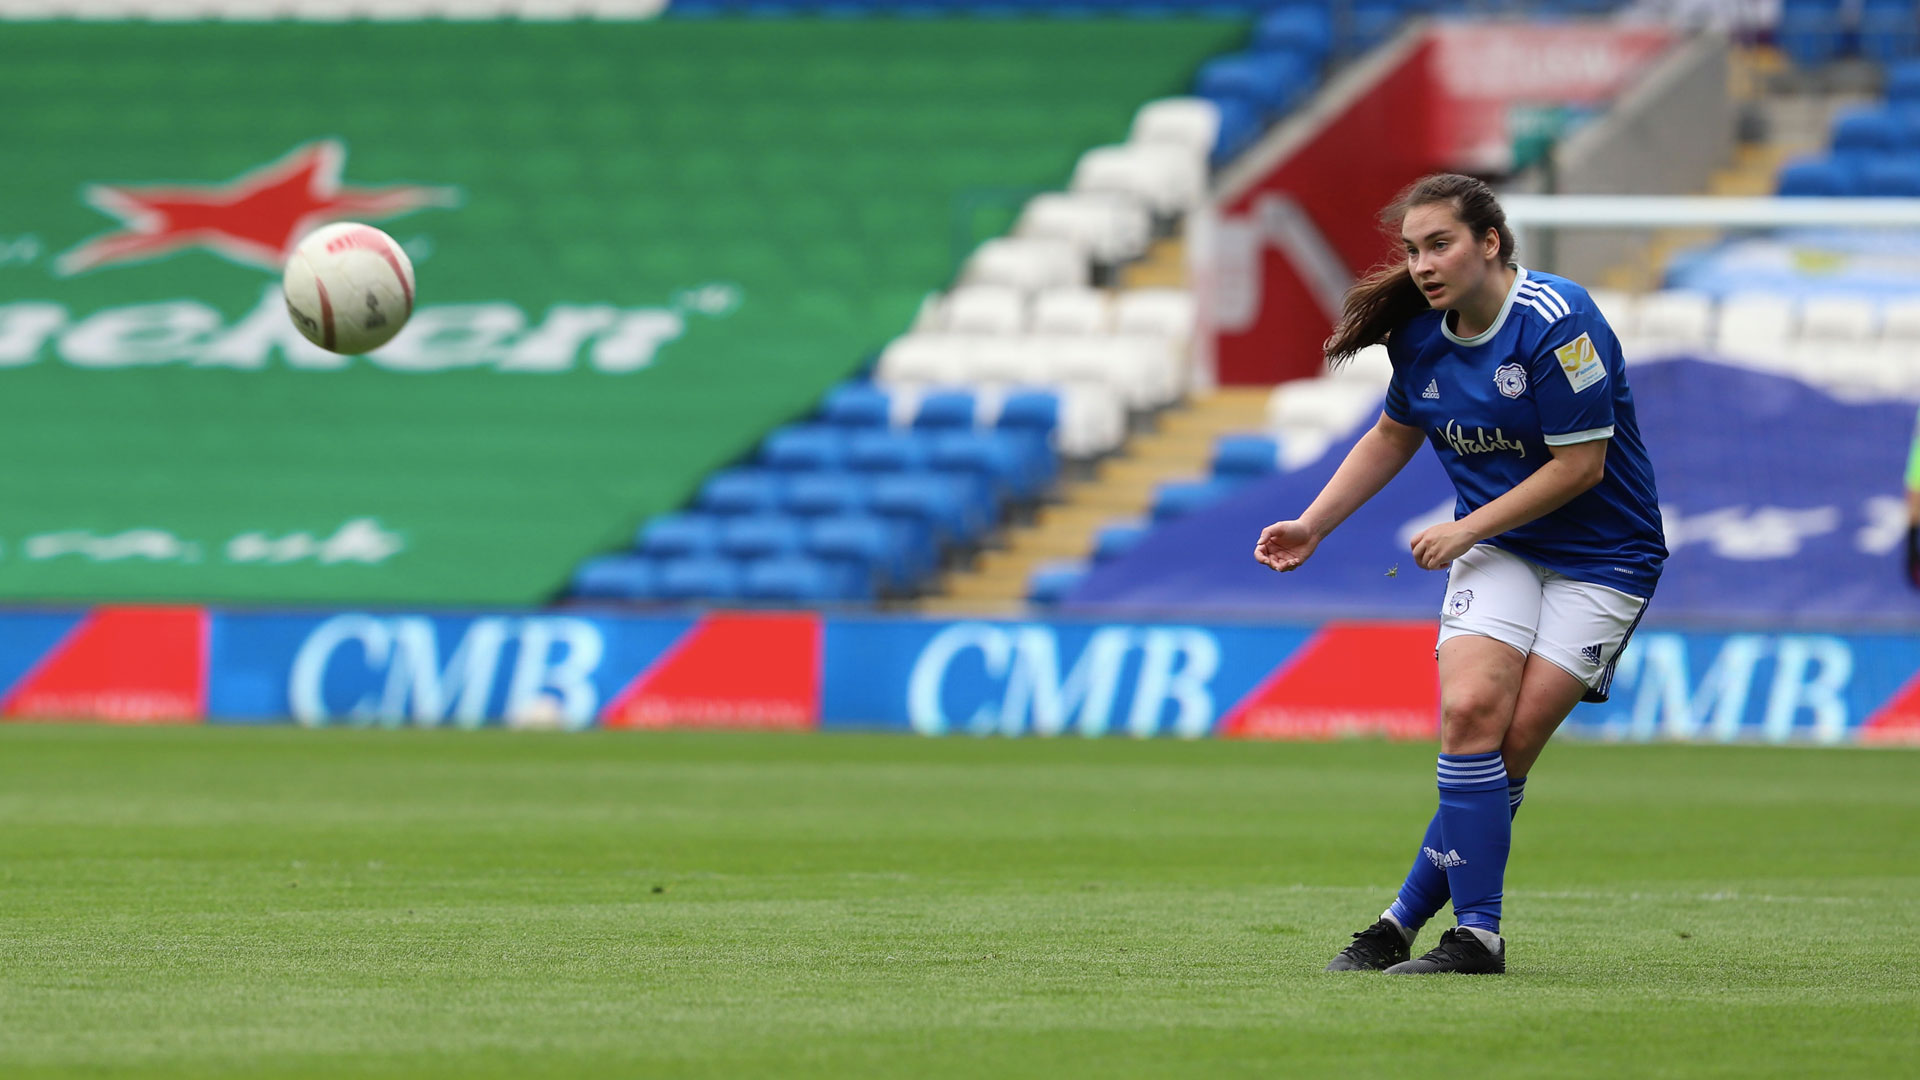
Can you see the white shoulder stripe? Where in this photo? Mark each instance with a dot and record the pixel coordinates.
(1539, 308)
(1546, 297)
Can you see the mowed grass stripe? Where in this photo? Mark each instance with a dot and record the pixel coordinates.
(212, 902)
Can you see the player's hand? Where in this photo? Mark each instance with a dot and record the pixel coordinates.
(1284, 545)
(1437, 546)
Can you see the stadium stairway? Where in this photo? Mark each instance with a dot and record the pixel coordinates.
(1120, 488)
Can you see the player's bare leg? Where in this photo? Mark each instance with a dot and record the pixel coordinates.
(1547, 694)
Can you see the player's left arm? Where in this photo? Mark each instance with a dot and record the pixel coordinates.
(1572, 388)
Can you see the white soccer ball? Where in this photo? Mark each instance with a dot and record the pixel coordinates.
(349, 287)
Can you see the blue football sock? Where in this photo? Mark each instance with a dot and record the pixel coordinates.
(1425, 891)
(1477, 827)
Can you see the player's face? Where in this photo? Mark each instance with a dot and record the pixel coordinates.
(1441, 253)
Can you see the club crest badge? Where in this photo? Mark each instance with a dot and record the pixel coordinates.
(1459, 602)
(1510, 379)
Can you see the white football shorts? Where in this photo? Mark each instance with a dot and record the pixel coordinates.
(1577, 625)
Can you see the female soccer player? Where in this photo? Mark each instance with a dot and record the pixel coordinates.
(1555, 545)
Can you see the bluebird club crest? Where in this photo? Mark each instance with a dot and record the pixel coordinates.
(1511, 379)
(1460, 602)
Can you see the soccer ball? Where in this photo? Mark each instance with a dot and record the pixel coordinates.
(349, 287)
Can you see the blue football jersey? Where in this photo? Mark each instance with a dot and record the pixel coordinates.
(1548, 372)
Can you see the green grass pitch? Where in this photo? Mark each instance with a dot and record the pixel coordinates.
(235, 903)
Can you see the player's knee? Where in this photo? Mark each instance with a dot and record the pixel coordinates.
(1474, 721)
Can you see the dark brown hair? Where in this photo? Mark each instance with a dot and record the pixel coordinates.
(1387, 297)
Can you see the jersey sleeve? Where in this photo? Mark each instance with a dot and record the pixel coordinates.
(1573, 371)
(1396, 403)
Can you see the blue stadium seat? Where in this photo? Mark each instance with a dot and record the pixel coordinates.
(940, 505)
(856, 405)
(992, 456)
(1903, 83)
(795, 579)
(1239, 127)
(699, 577)
(804, 447)
(1051, 582)
(1245, 457)
(888, 451)
(741, 491)
(1870, 130)
(869, 548)
(672, 535)
(1816, 177)
(1889, 30)
(945, 410)
(615, 577)
(1811, 32)
(759, 536)
(820, 493)
(1179, 499)
(1299, 28)
(1893, 177)
(1114, 541)
(1368, 23)
(1273, 82)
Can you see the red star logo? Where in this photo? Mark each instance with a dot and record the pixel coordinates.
(254, 219)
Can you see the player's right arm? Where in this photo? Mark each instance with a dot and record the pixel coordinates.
(1377, 458)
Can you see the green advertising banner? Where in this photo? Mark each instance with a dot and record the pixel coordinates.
(638, 246)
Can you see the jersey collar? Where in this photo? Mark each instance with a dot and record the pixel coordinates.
(1484, 336)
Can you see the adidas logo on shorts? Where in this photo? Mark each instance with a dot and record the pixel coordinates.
(1592, 653)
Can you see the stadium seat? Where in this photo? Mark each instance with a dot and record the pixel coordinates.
(985, 309)
(927, 358)
(1050, 583)
(1370, 366)
(614, 577)
(1903, 82)
(1816, 177)
(1327, 405)
(1168, 313)
(1162, 177)
(941, 507)
(758, 536)
(1273, 81)
(1105, 228)
(671, 535)
(1891, 177)
(1190, 122)
(1868, 130)
(995, 458)
(1239, 126)
(741, 491)
(1180, 498)
(1889, 30)
(888, 451)
(1617, 307)
(1026, 263)
(856, 405)
(1245, 457)
(1900, 321)
(820, 494)
(1849, 319)
(798, 579)
(1306, 29)
(804, 447)
(1072, 311)
(870, 549)
(1673, 321)
(1755, 328)
(698, 577)
(946, 410)
(1113, 541)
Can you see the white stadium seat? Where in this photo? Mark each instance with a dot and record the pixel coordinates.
(1838, 318)
(1166, 178)
(1670, 322)
(1755, 328)
(1072, 311)
(1370, 366)
(1167, 313)
(1329, 405)
(1188, 122)
(928, 358)
(1012, 361)
(1900, 320)
(984, 309)
(1106, 228)
(1617, 307)
(1028, 264)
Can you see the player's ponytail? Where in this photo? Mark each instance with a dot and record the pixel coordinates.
(1386, 297)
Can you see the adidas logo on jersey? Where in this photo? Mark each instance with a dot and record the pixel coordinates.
(1432, 392)
(1450, 857)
